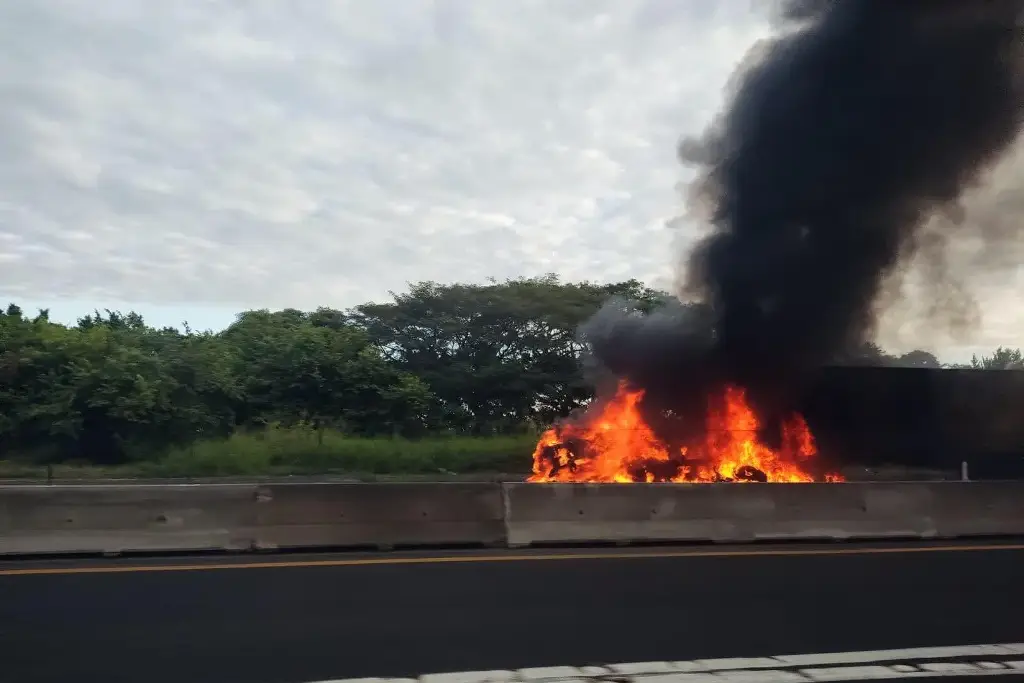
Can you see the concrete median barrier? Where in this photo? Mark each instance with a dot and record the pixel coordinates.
(731, 513)
(379, 515)
(114, 519)
(243, 517)
(234, 517)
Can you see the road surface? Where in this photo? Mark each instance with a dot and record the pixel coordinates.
(290, 619)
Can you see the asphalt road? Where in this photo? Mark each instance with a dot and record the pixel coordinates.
(309, 618)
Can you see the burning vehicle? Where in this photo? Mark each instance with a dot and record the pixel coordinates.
(614, 444)
(838, 165)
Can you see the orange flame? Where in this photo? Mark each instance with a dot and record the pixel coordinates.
(615, 444)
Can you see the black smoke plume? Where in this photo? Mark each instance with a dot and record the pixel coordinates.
(857, 125)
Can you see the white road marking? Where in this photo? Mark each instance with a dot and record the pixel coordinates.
(470, 677)
(551, 672)
(736, 663)
(896, 655)
(923, 662)
(758, 675)
(641, 668)
(856, 673)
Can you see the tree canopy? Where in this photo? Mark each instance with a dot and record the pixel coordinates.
(438, 359)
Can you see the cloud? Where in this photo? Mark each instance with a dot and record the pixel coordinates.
(311, 152)
(250, 153)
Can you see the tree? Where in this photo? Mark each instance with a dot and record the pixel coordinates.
(916, 359)
(868, 353)
(1001, 359)
(297, 370)
(497, 355)
(108, 392)
(111, 389)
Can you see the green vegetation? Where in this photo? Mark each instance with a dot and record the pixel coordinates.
(299, 451)
(443, 378)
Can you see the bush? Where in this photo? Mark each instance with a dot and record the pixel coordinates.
(300, 451)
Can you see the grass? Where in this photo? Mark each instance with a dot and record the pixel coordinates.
(280, 452)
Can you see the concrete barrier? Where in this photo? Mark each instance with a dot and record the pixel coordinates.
(581, 513)
(201, 517)
(379, 515)
(114, 519)
(244, 517)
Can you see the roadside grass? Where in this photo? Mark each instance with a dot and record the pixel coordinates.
(284, 452)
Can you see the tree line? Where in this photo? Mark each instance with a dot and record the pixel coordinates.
(437, 360)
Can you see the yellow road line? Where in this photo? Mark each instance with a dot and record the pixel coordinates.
(454, 559)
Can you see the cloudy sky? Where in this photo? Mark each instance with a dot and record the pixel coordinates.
(193, 158)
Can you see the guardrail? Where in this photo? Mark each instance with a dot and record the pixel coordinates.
(110, 519)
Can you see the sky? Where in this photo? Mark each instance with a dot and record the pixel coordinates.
(195, 158)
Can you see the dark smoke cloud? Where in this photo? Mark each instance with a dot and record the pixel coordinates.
(846, 145)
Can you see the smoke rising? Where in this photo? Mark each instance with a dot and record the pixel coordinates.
(846, 145)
